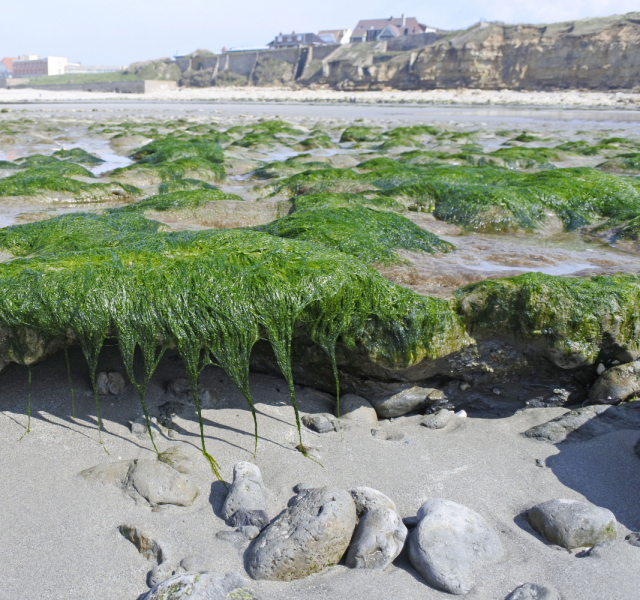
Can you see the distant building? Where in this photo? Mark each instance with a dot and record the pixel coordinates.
(335, 36)
(77, 68)
(292, 40)
(34, 66)
(372, 30)
(6, 67)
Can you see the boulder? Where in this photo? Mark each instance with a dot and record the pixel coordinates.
(403, 402)
(248, 493)
(572, 524)
(620, 382)
(437, 420)
(450, 544)
(158, 483)
(366, 498)
(111, 383)
(307, 537)
(532, 591)
(357, 409)
(320, 423)
(201, 586)
(377, 540)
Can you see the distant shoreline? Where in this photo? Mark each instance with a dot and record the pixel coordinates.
(457, 97)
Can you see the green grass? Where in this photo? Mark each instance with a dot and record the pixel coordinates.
(80, 78)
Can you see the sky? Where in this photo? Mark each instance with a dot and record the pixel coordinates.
(119, 32)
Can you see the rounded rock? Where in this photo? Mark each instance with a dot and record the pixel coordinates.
(247, 492)
(450, 544)
(307, 537)
(366, 499)
(201, 586)
(403, 402)
(158, 483)
(377, 541)
(357, 409)
(572, 524)
(437, 420)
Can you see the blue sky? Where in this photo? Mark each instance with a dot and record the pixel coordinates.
(122, 31)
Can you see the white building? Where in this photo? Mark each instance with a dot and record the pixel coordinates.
(34, 66)
(335, 36)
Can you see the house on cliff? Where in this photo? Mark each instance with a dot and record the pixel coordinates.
(335, 36)
(372, 30)
(292, 40)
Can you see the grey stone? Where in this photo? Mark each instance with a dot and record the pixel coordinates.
(309, 536)
(139, 428)
(235, 538)
(532, 591)
(620, 382)
(450, 544)
(437, 420)
(159, 484)
(634, 538)
(403, 402)
(249, 531)
(321, 423)
(245, 518)
(150, 547)
(377, 541)
(247, 491)
(572, 524)
(111, 383)
(303, 487)
(177, 458)
(587, 423)
(366, 498)
(357, 409)
(113, 473)
(196, 564)
(180, 389)
(201, 586)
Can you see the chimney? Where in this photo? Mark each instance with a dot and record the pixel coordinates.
(404, 21)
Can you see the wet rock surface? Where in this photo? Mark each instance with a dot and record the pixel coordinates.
(572, 524)
(450, 544)
(309, 536)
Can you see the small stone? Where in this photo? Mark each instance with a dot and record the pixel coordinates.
(139, 428)
(540, 463)
(307, 537)
(366, 499)
(403, 402)
(464, 386)
(181, 390)
(247, 491)
(497, 391)
(357, 409)
(159, 484)
(196, 564)
(377, 541)
(235, 538)
(249, 531)
(201, 586)
(303, 487)
(159, 573)
(437, 420)
(462, 414)
(600, 369)
(147, 545)
(532, 591)
(634, 538)
(450, 544)
(249, 518)
(572, 524)
(321, 423)
(111, 383)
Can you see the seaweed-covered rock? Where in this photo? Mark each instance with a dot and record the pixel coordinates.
(572, 524)
(572, 319)
(310, 535)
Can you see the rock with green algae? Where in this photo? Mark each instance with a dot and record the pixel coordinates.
(573, 319)
(180, 200)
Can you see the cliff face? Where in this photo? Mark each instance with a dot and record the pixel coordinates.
(590, 54)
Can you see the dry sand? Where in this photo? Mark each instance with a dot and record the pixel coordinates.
(242, 94)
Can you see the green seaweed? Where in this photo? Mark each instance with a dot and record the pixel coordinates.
(169, 149)
(518, 157)
(78, 155)
(181, 168)
(178, 200)
(314, 201)
(360, 133)
(628, 162)
(211, 293)
(315, 142)
(573, 318)
(179, 185)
